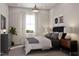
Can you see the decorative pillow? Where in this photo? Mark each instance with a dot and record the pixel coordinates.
(60, 35)
(63, 36)
(48, 35)
(67, 36)
(54, 36)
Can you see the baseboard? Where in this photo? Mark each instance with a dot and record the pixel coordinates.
(17, 46)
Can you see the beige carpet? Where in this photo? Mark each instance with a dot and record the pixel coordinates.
(47, 53)
(20, 52)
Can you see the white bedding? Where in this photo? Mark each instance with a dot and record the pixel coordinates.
(44, 43)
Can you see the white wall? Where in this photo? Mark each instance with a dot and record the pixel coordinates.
(4, 12)
(17, 19)
(43, 22)
(71, 16)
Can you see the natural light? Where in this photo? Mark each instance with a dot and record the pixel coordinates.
(30, 23)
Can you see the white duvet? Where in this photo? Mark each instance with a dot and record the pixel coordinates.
(44, 43)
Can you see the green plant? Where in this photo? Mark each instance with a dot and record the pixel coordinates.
(29, 31)
(12, 30)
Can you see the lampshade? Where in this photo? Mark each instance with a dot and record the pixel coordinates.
(35, 9)
(4, 30)
(69, 30)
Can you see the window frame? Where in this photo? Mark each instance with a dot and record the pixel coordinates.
(31, 23)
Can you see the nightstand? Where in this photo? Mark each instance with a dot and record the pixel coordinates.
(56, 44)
(70, 45)
(74, 47)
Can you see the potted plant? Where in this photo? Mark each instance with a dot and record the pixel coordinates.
(12, 32)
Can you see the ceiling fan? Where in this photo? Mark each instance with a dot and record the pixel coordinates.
(35, 9)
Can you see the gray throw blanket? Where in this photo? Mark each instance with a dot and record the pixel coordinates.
(32, 40)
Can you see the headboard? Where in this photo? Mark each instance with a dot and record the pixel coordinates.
(58, 29)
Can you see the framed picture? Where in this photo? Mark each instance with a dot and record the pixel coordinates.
(61, 19)
(3, 22)
(56, 20)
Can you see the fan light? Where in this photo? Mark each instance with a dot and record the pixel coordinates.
(35, 9)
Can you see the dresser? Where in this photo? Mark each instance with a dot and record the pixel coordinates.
(4, 43)
(0, 44)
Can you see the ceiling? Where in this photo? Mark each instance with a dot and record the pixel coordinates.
(31, 5)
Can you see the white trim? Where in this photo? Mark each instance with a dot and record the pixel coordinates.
(17, 47)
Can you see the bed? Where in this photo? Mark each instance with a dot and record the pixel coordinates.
(38, 42)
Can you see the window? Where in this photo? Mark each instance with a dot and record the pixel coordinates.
(30, 23)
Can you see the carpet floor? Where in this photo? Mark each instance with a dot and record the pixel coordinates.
(20, 52)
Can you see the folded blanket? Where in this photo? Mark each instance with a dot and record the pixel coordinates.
(32, 40)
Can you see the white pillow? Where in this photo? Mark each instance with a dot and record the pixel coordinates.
(60, 35)
(67, 36)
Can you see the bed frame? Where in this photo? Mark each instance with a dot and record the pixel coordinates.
(58, 29)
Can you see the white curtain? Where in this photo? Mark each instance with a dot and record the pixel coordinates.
(24, 23)
(24, 35)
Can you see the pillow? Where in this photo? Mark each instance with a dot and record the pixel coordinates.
(63, 36)
(48, 35)
(60, 35)
(54, 36)
(67, 36)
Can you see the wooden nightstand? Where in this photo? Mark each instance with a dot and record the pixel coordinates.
(70, 45)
